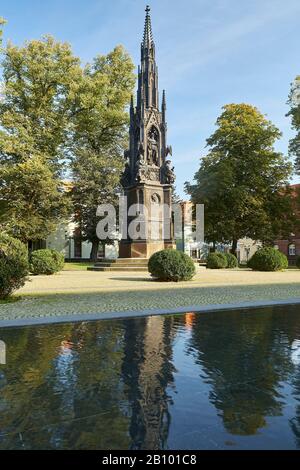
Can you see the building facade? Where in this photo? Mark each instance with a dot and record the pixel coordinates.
(291, 245)
(67, 240)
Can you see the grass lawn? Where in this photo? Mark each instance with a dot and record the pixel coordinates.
(81, 266)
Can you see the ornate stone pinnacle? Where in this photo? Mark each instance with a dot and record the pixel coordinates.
(148, 38)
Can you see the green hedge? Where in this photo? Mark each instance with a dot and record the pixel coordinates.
(232, 261)
(13, 265)
(46, 262)
(171, 265)
(216, 260)
(298, 262)
(268, 259)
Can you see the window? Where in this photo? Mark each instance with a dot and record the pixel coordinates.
(292, 249)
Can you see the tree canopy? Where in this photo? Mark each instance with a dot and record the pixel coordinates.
(40, 82)
(100, 134)
(33, 201)
(243, 181)
(60, 119)
(2, 23)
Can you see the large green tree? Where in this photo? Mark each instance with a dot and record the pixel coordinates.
(32, 200)
(40, 82)
(54, 111)
(100, 133)
(243, 181)
(294, 102)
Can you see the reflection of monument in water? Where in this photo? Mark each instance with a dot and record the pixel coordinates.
(148, 176)
(147, 372)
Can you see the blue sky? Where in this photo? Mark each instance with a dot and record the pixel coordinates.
(209, 53)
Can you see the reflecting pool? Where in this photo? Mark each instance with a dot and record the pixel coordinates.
(223, 380)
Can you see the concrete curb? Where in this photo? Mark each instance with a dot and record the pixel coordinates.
(18, 322)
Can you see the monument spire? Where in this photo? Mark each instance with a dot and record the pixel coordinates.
(148, 37)
(163, 107)
(148, 175)
(148, 72)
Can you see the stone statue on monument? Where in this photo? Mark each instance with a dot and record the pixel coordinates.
(168, 172)
(152, 147)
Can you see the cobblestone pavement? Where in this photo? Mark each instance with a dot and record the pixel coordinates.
(81, 292)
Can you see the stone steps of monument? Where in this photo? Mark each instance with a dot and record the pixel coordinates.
(123, 262)
(121, 265)
(118, 268)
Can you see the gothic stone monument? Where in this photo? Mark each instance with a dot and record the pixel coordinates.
(148, 175)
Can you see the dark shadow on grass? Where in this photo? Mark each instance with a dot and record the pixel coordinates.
(135, 279)
(10, 300)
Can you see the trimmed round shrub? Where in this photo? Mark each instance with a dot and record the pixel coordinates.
(298, 262)
(13, 265)
(46, 261)
(268, 259)
(171, 265)
(232, 261)
(59, 259)
(216, 261)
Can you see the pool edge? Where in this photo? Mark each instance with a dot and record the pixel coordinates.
(30, 321)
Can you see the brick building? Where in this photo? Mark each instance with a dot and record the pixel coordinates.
(291, 246)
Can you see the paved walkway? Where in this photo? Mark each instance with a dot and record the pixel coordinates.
(88, 292)
(90, 281)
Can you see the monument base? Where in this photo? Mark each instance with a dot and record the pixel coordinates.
(142, 249)
(133, 256)
(121, 265)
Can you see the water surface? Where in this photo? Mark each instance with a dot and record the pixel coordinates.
(224, 380)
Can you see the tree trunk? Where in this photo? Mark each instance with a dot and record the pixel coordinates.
(94, 250)
(234, 247)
